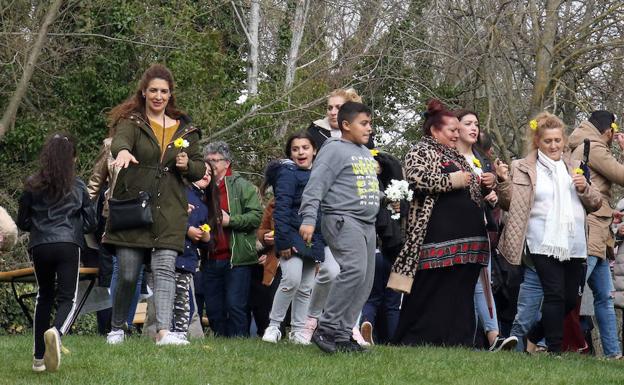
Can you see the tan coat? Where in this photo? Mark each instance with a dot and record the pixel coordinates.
(516, 194)
(605, 170)
(103, 172)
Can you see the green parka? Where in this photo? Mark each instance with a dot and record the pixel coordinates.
(159, 177)
(245, 214)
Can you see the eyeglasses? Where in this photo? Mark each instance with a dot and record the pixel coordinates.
(215, 160)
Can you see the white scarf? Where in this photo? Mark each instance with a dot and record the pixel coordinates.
(559, 227)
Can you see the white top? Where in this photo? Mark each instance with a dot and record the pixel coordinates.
(542, 203)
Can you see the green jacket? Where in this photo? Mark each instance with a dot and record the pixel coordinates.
(245, 214)
(160, 178)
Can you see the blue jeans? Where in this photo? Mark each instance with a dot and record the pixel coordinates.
(599, 280)
(382, 302)
(529, 304)
(226, 292)
(137, 292)
(482, 312)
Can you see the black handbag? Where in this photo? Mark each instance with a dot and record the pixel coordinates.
(130, 213)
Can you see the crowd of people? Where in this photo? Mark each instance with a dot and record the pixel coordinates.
(477, 253)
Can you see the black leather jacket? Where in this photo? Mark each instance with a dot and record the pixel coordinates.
(53, 222)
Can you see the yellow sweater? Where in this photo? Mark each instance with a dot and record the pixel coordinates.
(164, 135)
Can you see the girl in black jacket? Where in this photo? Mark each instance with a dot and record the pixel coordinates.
(55, 208)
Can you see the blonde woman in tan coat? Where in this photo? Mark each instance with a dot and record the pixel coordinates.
(547, 198)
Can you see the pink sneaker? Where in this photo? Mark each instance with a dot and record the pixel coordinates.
(308, 329)
(357, 336)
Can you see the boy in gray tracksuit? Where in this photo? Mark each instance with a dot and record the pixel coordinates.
(344, 183)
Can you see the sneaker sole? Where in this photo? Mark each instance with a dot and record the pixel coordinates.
(52, 355)
(367, 332)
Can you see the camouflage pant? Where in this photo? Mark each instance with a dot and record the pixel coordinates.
(181, 304)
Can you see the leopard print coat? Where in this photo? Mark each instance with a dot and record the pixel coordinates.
(422, 171)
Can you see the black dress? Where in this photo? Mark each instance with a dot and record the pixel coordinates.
(440, 307)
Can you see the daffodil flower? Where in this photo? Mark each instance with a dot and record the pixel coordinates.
(476, 162)
(180, 143)
(374, 152)
(615, 127)
(205, 228)
(533, 125)
(579, 171)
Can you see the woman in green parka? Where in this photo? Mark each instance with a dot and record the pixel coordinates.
(156, 146)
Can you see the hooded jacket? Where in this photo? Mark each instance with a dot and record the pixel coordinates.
(604, 171)
(288, 183)
(157, 174)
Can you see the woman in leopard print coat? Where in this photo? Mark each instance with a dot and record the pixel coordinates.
(446, 239)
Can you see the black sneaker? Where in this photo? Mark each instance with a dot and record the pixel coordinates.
(324, 341)
(350, 346)
(501, 343)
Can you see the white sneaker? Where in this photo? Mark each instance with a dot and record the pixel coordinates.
(272, 334)
(296, 338)
(115, 337)
(171, 339)
(180, 335)
(38, 365)
(52, 355)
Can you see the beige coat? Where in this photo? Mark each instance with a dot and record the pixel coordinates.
(515, 195)
(103, 172)
(605, 170)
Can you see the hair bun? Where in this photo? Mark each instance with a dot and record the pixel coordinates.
(435, 106)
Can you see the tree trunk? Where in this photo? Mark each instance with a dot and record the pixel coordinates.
(544, 56)
(298, 26)
(8, 118)
(252, 71)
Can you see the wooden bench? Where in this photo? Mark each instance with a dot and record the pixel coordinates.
(27, 275)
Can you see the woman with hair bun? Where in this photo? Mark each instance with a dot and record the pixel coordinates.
(447, 242)
(547, 197)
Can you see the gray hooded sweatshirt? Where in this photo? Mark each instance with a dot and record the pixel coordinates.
(343, 182)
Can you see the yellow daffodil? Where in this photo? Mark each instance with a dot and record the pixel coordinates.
(205, 228)
(579, 171)
(615, 127)
(180, 143)
(533, 125)
(476, 162)
(374, 152)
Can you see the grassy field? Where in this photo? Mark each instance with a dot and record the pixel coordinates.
(220, 361)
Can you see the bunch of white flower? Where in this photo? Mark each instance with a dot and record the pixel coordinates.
(397, 190)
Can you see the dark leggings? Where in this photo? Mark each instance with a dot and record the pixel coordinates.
(56, 264)
(561, 282)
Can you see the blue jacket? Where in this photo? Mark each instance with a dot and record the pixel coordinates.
(188, 260)
(288, 182)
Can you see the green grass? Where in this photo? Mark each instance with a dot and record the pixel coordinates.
(220, 361)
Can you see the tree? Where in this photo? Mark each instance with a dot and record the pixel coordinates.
(11, 110)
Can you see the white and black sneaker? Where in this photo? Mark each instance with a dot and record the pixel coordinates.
(502, 343)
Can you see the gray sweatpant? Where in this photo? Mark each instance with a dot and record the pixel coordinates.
(328, 271)
(163, 270)
(352, 242)
(295, 287)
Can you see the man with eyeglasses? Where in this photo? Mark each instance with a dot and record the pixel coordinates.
(226, 274)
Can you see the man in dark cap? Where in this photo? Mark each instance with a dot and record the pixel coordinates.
(601, 130)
